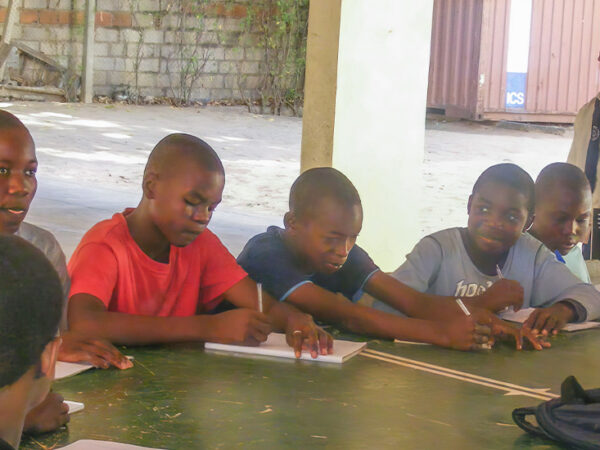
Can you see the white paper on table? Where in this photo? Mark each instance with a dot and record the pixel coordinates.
(522, 315)
(74, 406)
(67, 369)
(90, 444)
(276, 345)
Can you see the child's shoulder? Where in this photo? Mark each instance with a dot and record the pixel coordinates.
(108, 230)
(41, 238)
(264, 243)
(528, 243)
(450, 237)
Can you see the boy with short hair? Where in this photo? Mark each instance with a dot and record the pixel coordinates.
(315, 257)
(148, 275)
(464, 262)
(563, 210)
(31, 301)
(18, 184)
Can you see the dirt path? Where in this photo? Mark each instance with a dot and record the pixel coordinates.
(92, 158)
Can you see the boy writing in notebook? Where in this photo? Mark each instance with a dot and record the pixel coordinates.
(315, 257)
(465, 262)
(31, 301)
(150, 274)
(18, 184)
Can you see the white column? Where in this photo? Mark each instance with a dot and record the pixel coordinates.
(379, 131)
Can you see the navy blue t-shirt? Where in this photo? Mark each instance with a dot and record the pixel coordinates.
(268, 261)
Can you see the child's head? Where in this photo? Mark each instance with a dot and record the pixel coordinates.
(500, 208)
(183, 184)
(563, 207)
(18, 165)
(324, 219)
(30, 309)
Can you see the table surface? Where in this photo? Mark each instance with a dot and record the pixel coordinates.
(181, 397)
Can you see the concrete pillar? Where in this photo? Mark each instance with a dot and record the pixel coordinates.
(87, 85)
(377, 114)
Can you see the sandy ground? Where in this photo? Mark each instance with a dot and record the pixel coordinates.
(92, 158)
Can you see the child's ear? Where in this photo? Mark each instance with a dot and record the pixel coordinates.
(289, 221)
(529, 222)
(48, 358)
(149, 185)
(469, 204)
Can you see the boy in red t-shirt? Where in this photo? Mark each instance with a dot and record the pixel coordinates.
(147, 275)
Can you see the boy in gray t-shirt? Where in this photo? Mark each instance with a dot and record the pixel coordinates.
(464, 262)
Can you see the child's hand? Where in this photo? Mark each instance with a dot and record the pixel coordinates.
(302, 333)
(501, 294)
(49, 415)
(501, 329)
(549, 320)
(464, 333)
(99, 352)
(242, 326)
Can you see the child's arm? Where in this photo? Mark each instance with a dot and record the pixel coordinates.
(99, 352)
(49, 415)
(560, 297)
(284, 317)
(88, 315)
(434, 307)
(461, 332)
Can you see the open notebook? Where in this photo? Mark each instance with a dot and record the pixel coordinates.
(89, 444)
(275, 345)
(522, 315)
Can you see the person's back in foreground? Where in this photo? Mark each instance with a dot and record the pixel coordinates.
(465, 262)
(148, 275)
(315, 257)
(31, 302)
(563, 212)
(18, 184)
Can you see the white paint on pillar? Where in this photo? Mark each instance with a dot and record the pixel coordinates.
(383, 67)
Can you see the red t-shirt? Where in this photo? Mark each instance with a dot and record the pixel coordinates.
(108, 264)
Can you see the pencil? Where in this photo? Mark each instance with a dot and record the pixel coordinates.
(499, 272)
(259, 289)
(463, 307)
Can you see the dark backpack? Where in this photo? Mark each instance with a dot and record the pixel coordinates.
(572, 419)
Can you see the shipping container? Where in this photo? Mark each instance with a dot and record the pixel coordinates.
(522, 60)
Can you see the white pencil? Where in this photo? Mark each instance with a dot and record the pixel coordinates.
(499, 272)
(463, 307)
(259, 289)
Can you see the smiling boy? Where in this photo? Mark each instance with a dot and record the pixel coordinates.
(563, 209)
(465, 262)
(315, 265)
(147, 275)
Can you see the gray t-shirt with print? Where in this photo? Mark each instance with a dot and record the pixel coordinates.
(439, 264)
(47, 243)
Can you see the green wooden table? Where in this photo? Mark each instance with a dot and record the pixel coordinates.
(180, 397)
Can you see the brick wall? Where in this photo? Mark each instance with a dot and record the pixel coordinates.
(140, 45)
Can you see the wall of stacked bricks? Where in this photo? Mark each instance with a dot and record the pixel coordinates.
(56, 28)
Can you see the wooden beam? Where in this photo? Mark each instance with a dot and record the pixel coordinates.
(11, 17)
(87, 87)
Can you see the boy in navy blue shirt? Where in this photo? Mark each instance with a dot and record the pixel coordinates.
(314, 259)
